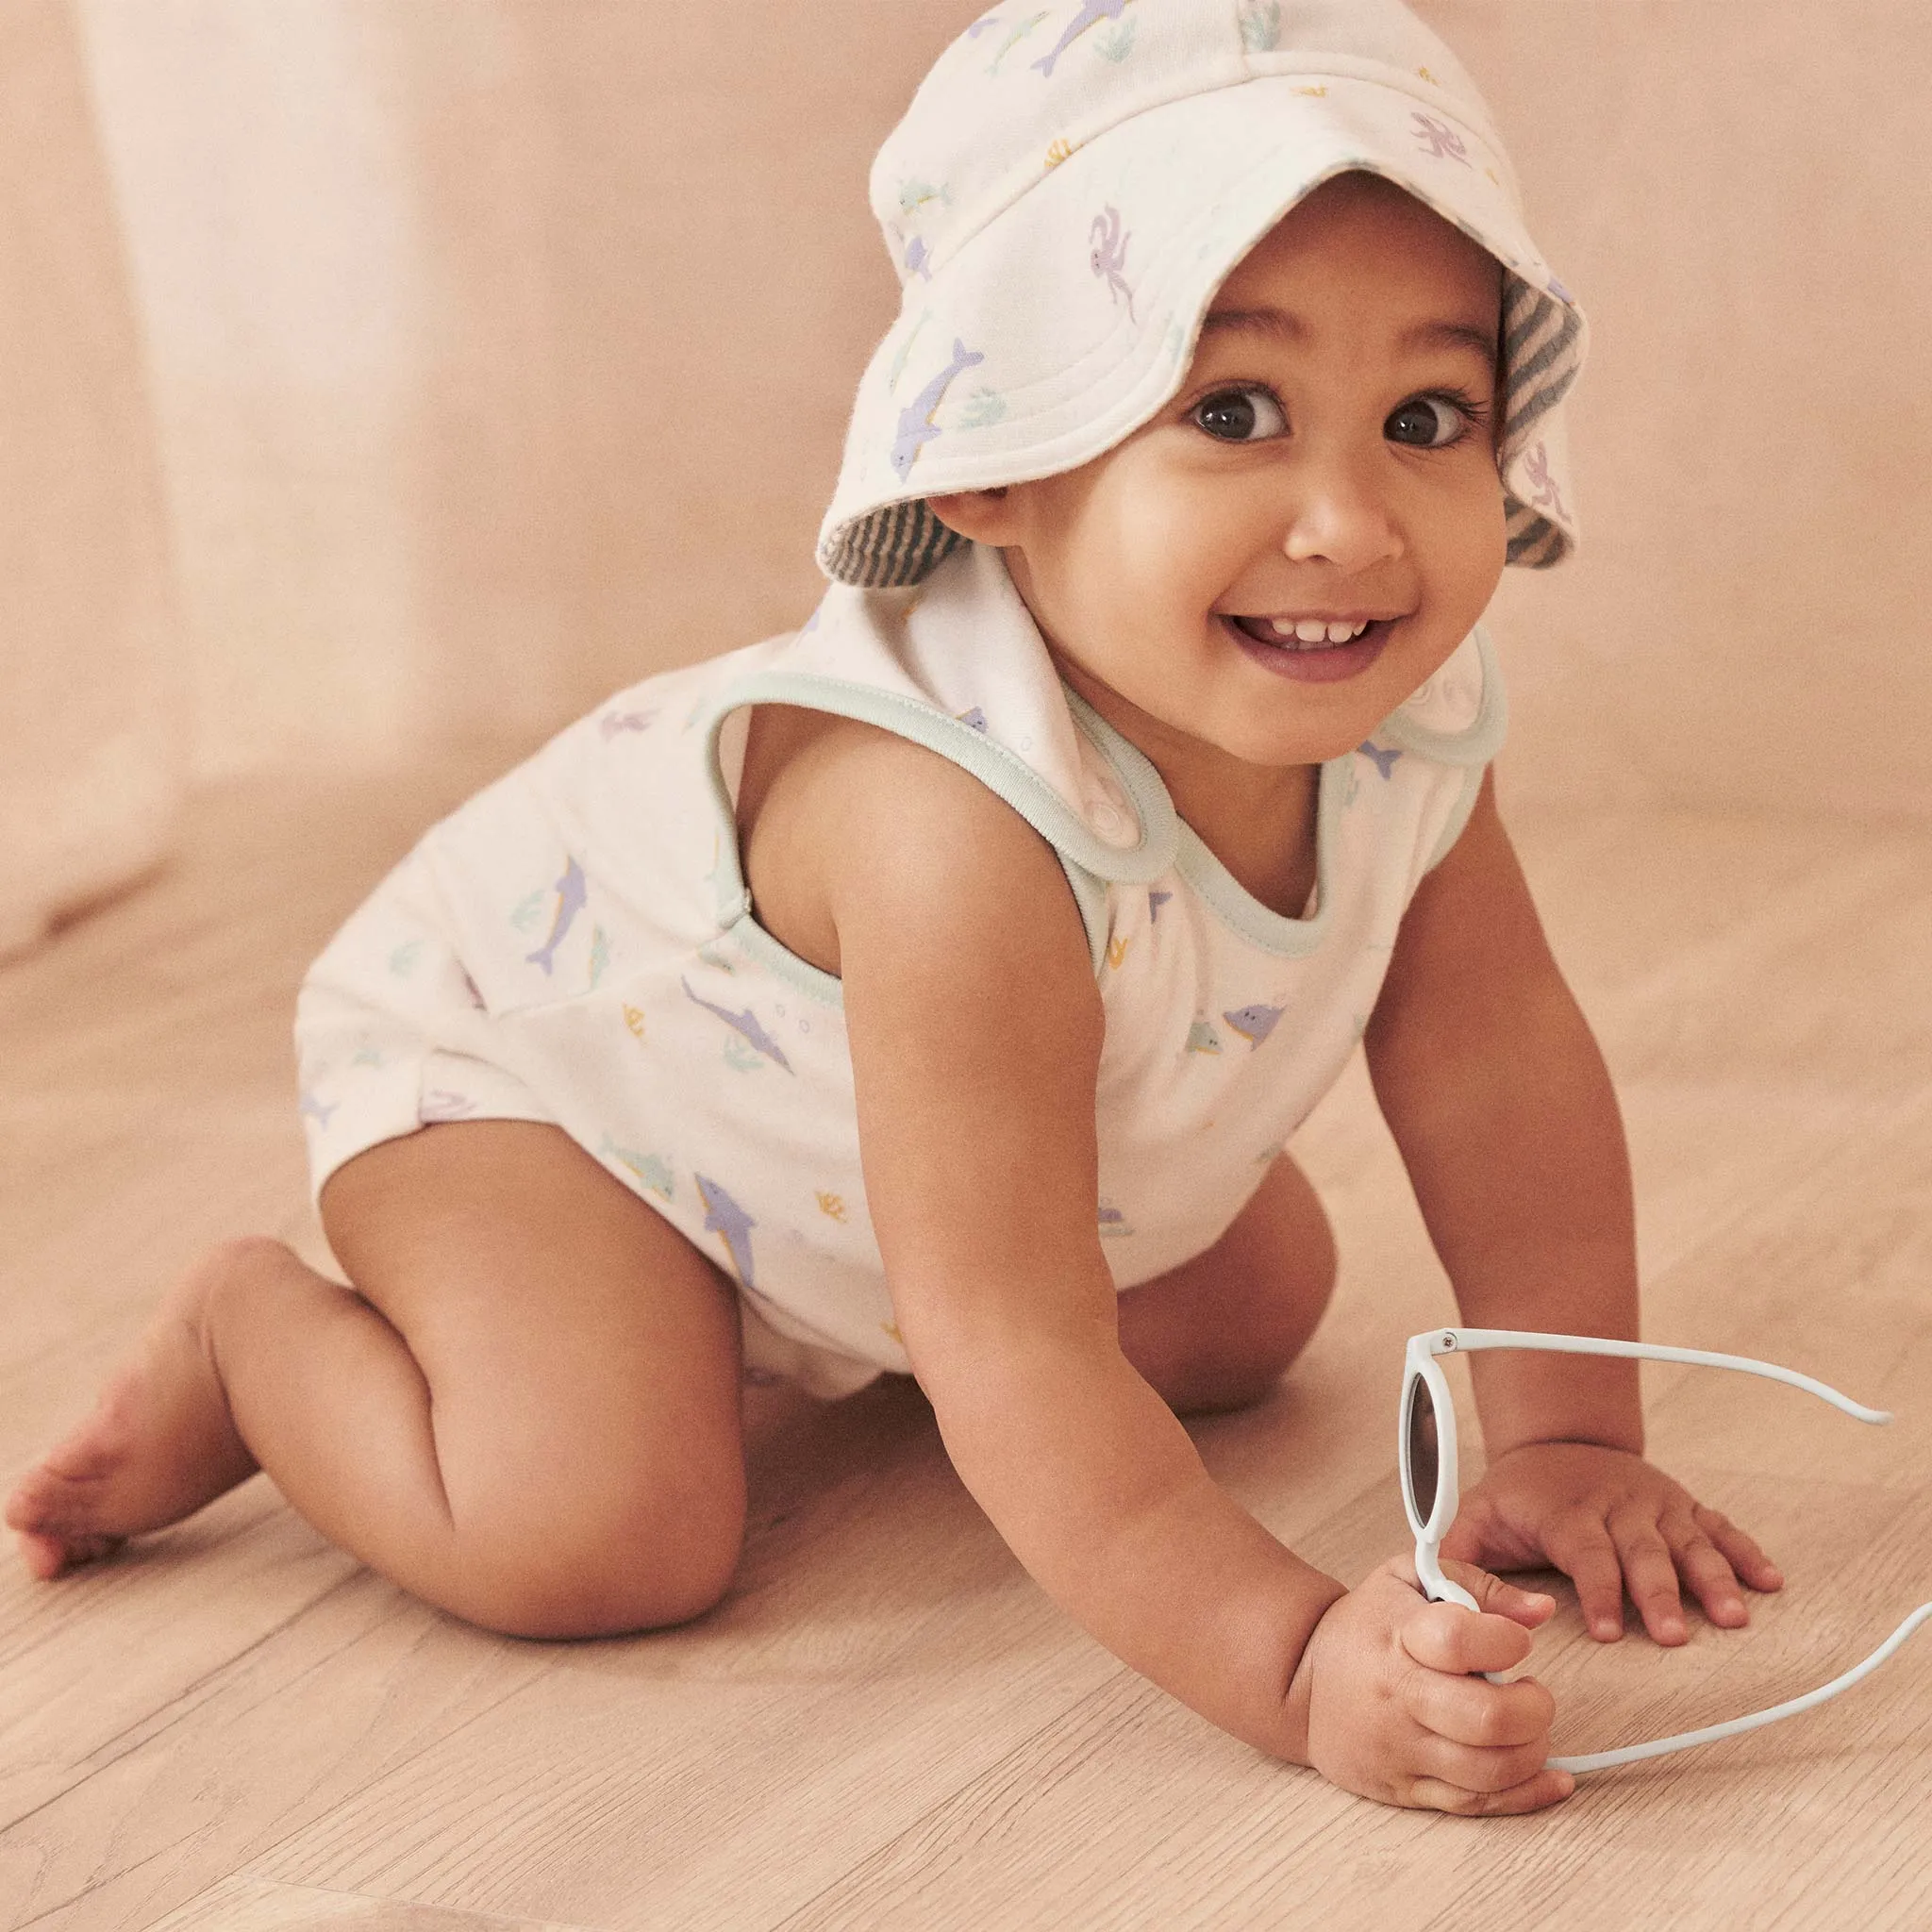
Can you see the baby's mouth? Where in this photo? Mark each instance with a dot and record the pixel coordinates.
(1304, 633)
(1311, 650)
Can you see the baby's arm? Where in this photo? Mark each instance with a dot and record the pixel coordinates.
(1501, 1103)
(975, 1031)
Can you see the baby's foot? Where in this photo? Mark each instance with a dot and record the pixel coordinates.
(159, 1443)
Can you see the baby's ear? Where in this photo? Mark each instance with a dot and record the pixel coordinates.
(985, 516)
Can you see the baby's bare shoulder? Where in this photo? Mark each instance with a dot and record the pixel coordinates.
(848, 827)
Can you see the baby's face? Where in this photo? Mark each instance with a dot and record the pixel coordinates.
(1328, 464)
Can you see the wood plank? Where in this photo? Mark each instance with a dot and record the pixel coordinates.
(249, 1905)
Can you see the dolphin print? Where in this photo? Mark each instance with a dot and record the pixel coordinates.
(724, 1217)
(572, 896)
(745, 1023)
(916, 427)
(1090, 14)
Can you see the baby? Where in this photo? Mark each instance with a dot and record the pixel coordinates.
(934, 991)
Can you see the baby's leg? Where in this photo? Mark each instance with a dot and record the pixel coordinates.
(528, 1415)
(1217, 1332)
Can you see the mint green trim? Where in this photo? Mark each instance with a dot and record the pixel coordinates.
(1458, 816)
(1003, 772)
(1239, 909)
(752, 939)
(1089, 864)
(1478, 743)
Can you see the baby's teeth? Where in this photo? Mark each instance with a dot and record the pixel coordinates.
(1314, 630)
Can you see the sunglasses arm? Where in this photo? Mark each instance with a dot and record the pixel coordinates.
(1441, 1341)
(1683, 1741)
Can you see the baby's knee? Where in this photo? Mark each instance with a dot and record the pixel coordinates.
(646, 1573)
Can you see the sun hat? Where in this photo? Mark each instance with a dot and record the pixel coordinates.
(1072, 184)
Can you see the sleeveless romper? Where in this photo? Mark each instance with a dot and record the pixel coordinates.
(576, 944)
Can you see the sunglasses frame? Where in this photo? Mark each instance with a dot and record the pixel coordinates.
(1420, 1367)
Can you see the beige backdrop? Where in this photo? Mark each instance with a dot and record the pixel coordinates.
(499, 352)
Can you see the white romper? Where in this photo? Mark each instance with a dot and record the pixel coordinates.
(576, 944)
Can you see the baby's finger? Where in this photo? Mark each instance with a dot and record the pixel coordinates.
(1651, 1577)
(1474, 1770)
(1546, 1787)
(1739, 1551)
(1468, 1710)
(1580, 1546)
(1703, 1567)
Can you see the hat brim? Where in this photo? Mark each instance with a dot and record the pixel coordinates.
(1068, 321)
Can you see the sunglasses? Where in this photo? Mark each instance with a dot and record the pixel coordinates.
(1426, 1458)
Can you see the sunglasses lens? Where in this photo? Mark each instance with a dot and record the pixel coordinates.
(1419, 1435)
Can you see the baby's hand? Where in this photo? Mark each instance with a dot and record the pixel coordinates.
(1608, 1519)
(1395, 1714)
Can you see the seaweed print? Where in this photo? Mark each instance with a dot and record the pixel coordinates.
(1546, 494)
(1260, 26)
(1090, 14)
(1110, 255)
(1441, 139)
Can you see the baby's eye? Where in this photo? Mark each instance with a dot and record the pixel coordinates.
(1427, 423)
(1247, 414)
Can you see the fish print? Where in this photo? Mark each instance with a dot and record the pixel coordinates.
(1546, 496)
(976, 718)
(1559, 290)
(439, 1104)
(600, 954)
(1154, 902)
(1090, 14)
(367, 1056)
(832, 1205)
(916, 425)
(634, 1021)
(317, 1111)
(724, 1217)
(918, 259)
(1254, 1023)
(1112, 1221)
(1117, 953)
(1063, 150)
(652, 1170)
(709, 956)
(614, 722)
(914, 196)
(402, 961)
(1201, 1038)
(1441, 140)
(746, 1024)
(1383, 760)
(572, 895)
(1109, 254)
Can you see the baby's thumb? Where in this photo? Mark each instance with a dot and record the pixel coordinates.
(1497, 1598)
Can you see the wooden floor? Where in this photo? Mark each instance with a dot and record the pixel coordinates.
(886, 1726)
